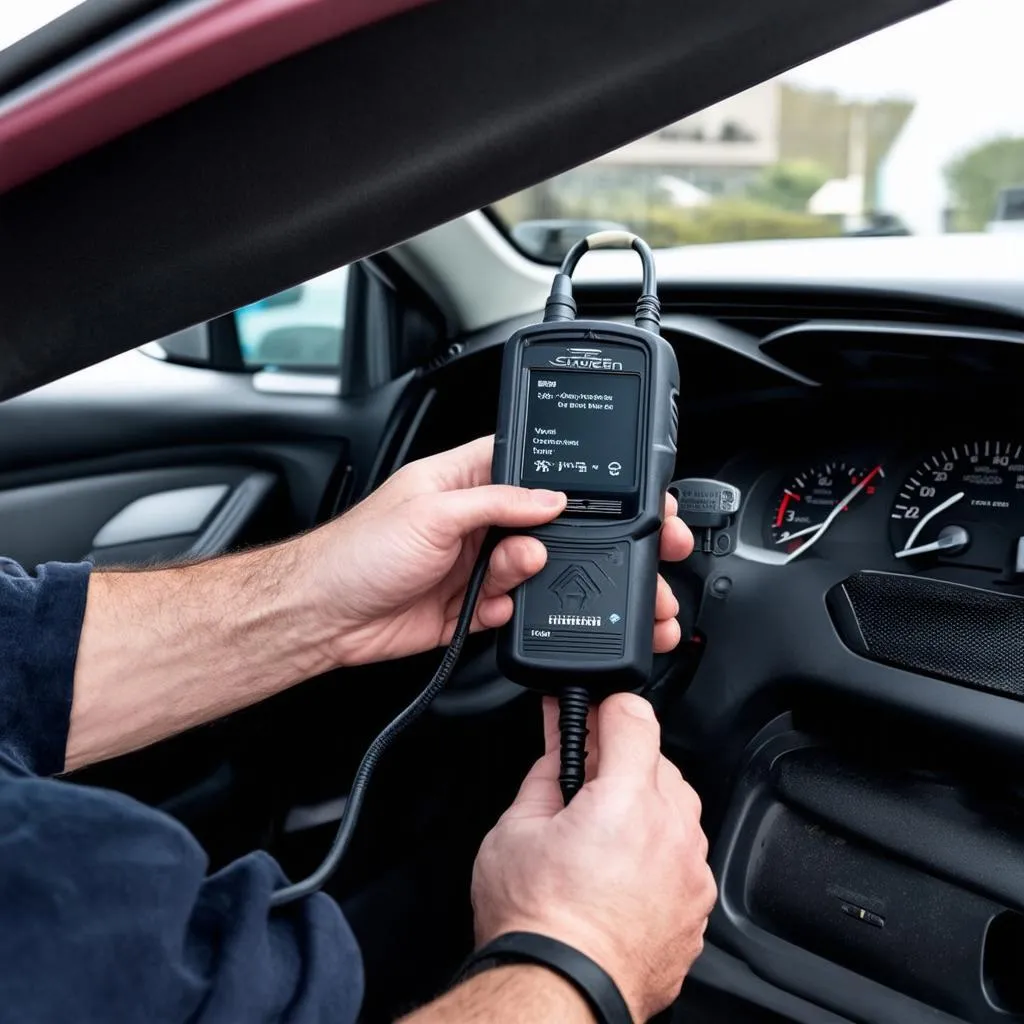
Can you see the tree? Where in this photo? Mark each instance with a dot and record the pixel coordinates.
(789, 185)
(976, 178)
(815, 124)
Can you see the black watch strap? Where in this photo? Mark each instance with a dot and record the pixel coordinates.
(591, 980)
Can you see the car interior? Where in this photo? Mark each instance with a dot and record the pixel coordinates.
(228, 322)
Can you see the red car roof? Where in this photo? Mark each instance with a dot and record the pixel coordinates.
(193, 50)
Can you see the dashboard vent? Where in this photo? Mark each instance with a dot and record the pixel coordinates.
(453, 351)
(833, 351)
(762, 310)
(753, 335)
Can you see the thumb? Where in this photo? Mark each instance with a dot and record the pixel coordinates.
(454, 514)
(630, 740)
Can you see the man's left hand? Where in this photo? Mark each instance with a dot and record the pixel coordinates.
(391, 573)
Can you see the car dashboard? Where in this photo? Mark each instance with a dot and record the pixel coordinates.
(851, 639)
(847, 696)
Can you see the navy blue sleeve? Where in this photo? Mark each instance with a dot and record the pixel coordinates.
(107, 912)
(40, 622)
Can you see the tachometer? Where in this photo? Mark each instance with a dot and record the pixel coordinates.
(965, 502)
(812, 500)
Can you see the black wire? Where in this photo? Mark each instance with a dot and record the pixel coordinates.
(573, 708)
(357, 795)
(642, 249)
(562, 306)
(574, 255)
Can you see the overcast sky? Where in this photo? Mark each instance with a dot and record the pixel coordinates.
(961, 65)
(965, 44)
(20, 17)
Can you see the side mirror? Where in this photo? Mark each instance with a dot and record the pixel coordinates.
(550, 240)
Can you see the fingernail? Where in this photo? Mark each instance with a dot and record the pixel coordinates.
(549, 499)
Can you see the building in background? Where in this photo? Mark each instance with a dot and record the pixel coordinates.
(848, 141)
(719, 151)
(747, 167)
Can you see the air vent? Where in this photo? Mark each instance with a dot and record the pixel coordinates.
(833, 351)
(453, 351)
(763, 311)
(740, 321)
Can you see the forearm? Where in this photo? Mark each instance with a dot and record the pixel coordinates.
(167, 649)
(508, 995)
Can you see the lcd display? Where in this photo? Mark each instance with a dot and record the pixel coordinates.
(581, 430)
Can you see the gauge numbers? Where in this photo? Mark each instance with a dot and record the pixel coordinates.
(964, 502)
(812, 500)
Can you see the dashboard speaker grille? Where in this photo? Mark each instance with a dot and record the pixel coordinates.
(961, 634)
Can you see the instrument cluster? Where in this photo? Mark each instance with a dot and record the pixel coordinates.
(957, 505)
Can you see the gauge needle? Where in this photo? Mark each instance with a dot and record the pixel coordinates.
(787, 497)
(957, 537)
(831, 518)
(787, 537)
(948, 503)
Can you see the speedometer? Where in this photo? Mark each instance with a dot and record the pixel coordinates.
(812, 500)
(964, 503)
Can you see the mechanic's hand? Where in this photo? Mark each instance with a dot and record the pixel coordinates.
(392, 572)
(620, 874)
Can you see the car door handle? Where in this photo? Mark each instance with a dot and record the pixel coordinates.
(213, 514)
(232, 516)
(166, 514)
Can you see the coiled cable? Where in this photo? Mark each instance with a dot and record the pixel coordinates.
(357, 795)
(573, 708)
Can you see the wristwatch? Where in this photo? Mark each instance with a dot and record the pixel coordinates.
(591, 980)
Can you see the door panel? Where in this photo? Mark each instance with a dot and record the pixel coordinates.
(117, 516)
(137, 460)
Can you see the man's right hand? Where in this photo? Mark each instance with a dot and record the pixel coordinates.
(621, 873)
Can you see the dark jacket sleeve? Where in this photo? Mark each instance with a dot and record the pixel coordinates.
(108, 914)
(40, 623)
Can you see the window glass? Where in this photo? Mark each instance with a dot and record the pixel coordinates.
(299, 327)
(18, 20)
(917, 129)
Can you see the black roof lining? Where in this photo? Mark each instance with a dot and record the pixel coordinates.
(358, 144)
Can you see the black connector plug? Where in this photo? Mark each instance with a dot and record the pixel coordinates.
(706, 506)
(561, 305)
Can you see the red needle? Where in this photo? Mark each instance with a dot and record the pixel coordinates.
(867, 480)
(782, 508)
(871, 476)
(787, 497)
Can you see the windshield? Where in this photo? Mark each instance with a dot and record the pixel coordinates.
(918, 129)
(18, 20)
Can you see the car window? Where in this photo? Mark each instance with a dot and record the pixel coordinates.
(22, 19)
(917, 129)
(298, 327)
